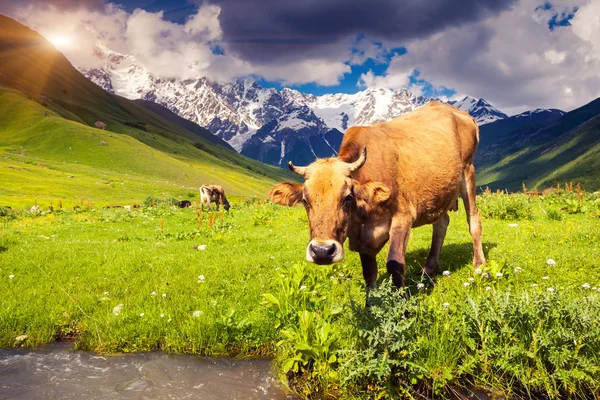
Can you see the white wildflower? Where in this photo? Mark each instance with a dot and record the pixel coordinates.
(551, 262)
(488, 288)
(162, 315)
(21, 338)
(202, 247)
(485, 275)
(196, 313)
(534, 285)
(545, 278)
(420, 286)
(153, 294)
(551, 289)
(314, 293)
(471, 279)
(117, 309)
(586, 285)
(446, 305)
(478, 271)
(446, 273)
(106, 293)
(513, 225)
(518, 270)
(104, 299)
(302, 287)
(11, 276)
(466, 284)
(499, 275)
(142, 314)
(341, 274)
(214, 303)
(164, 295)
(201, 278)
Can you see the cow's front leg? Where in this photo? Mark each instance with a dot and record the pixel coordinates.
(369, 267)
(437, 240)
(396, 265)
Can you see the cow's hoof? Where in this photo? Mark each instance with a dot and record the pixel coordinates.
(430, 270)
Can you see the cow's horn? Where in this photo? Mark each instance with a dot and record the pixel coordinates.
(360, 162)
(297, 170)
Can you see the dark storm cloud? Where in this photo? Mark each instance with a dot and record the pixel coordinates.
(269, 30)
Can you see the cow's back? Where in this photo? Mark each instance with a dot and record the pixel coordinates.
(420, 155)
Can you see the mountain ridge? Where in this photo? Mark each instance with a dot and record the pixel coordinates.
(238, 110)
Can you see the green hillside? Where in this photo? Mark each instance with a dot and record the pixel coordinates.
(47, 113)
(565, 150)
(39, 150)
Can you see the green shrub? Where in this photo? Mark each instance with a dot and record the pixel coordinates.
(505, 206)
(5, 212)
(533, 344)
(152, 201)
(555, 215)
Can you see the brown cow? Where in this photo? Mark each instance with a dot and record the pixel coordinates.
(214, 194)
(416, 168)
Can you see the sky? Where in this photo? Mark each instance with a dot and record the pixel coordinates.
(517, 54)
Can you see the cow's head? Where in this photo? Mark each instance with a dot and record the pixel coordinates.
(330, 196)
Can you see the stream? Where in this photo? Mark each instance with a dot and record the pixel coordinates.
(56, 371)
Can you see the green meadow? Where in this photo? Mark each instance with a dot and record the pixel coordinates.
(235, 284)
(46, 158)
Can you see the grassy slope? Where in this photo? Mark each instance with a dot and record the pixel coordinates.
(32, 66)
(565, 150)
(39, 152)
(182, 122)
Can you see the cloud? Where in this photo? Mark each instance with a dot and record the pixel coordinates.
(513, 60)
(9, 6)
(261, 30)
(586, 25)
(168, 49)
(501, 50)
(84, 26)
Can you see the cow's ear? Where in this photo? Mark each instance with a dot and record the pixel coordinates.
(372, 192)
(286, 194)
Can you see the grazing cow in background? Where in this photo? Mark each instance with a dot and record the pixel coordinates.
(213, 194)
(185, 204)
(416, 167)
(100, 125)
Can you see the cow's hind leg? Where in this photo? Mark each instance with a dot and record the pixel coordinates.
(437, 240)
(468, 194)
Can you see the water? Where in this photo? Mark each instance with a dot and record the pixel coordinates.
(57, 371)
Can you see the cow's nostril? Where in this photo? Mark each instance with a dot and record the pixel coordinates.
(331, 250)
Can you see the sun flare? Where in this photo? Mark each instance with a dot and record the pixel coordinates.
(61, 41)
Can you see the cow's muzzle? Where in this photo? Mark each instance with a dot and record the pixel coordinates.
(324, 252)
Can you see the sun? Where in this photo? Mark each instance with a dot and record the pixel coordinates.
(61, 42)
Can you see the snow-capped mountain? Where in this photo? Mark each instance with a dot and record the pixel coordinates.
(267, 124)
(340, 111)
(481, 110)
(530, 113)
